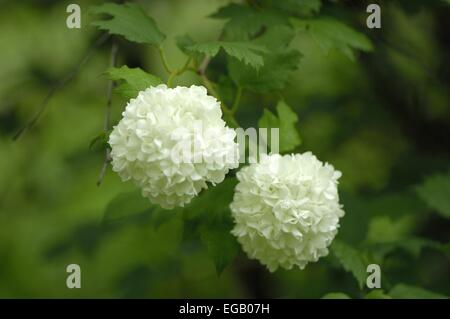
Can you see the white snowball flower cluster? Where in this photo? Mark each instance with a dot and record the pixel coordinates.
(286, 209)
(171, 142)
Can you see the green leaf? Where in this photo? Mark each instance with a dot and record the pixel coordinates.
(246, 52)
(212, 200)
(136, 80)
(125, 205)
(435, 192)
(384, 229)
(279, 62)
(414, 245)
(210, 216)
(402, 291)
(133, 207)
(336, 295)
(245, 22)
(221, 245)
(184, 42)
(289, 138)
(411, 245)
(273, 76)
(330, 33)
(129, 21)
(298, 7)
(268, 120)
(160, 216)
(377, 294)
(351, 260)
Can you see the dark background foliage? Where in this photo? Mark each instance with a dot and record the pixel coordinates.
(382, 118)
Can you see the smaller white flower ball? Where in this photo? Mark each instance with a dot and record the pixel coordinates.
(286, 209)
(171, 142)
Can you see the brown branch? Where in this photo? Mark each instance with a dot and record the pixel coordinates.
(107, 123)
(204, 65)
(61, 83)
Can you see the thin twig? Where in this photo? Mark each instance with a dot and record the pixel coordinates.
(164, 61)
(204, 65)
(111, 85)
(237, 100)
(61, 83)
(107, 124)
(170, 78)
(177, 72)
(104, 167)
(185, 66)
(210, 86)
(201, 71)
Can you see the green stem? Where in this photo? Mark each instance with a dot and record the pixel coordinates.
(178, 72)
(229, 113)
(237, 100)
(170, 79)
(185, 67)
(164, 60)
(210, 87)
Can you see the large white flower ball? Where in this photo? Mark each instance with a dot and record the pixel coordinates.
(171, 142)
(286, 209)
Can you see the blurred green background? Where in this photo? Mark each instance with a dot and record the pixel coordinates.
(383, 120)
